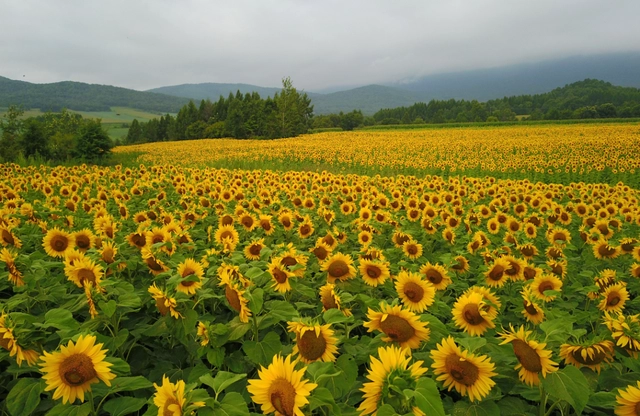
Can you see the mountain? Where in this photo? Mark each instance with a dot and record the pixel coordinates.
(83, 97)
(532, 78)
(213, 91)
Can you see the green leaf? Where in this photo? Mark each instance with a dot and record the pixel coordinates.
(129, 300)
(484, 408)
(472, 343)
(232, 404)
(386, 410)
(122, 406)
(256, 299)
(557, 329)
(238, 329)
(281, 310)
(222, 380)
(108, 308)
(129, 384)
(603, 400)
(568, 384)
(70, 410)
(322, 397)
(61, 319)
(262, 352)
(336, 316)
(512, 406)
(24, 397)
(215, 357)
(427, 397)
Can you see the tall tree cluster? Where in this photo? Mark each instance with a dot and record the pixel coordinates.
(241, 116)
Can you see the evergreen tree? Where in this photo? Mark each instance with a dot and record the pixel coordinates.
(93, 142)
(11, 127)
(34, 141)
(134, 135)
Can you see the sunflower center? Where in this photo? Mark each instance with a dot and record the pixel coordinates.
(613, 299)
(83, 242)
(255, 249)
(413, 291)
(59, 243)
(280, 276)
(529, 273)
(162, 308)
(4, 342)
(232, 298)
(289, 261)
(226, 234)
(312, 346)
(285, 222)
(153, 264)
(138, 240)
(496, 272)
(605, 250)
(514, 270)
(527, 356)
(158, 238)
(282, 396)
(338, 268)
(396, 328)
(186, 274)
(462, 371)
(530, 308)
(412, 249)
(595, 359)
(545, 286)
(433, 276)
(86, 275)
(7, 237)
(77, 369)
(305, 229)
(374, 272)
(320, 252)
(472, 315)
(329, 301)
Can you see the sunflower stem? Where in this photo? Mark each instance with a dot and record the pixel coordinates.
(552, 408)
(543, 402)
(254, 319)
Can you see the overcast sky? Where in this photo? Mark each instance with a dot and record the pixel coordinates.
(320, 44)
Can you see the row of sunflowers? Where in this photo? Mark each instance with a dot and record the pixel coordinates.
(169, 290)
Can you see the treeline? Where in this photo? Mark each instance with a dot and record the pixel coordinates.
(57, 137)
(241, 116)
(83, 97)
(580, 100)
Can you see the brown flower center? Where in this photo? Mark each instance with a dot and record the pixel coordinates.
(328, 301)
(187, 273)
(613, 299)
(373, 271)
(338, 269)
(545, 286)
(320, 252)
(59, 243)
(226, 234)
(496, 272)
(255, 249)
(286, 222)
(282, 396)
(527, 356)
(529, 273)
(530, 307)
(86, 275)
(289, 261)
(305, 229)
(247, 222)
(232, 298)
(412, 249)
(312, 346)
(280, 276)
(153, 264)
(595, 359)
(413, 291)
(83, 242)
(514, 270)
(462, 371)
(606, 251)
(471, 314)
(138, 240)
(398, 329)
(7, 237)
(433, 276)
(329, 240)
(77, 369)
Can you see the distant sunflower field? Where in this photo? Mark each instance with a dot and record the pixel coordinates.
(177, 287)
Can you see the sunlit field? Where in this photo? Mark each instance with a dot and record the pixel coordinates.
(474, 271)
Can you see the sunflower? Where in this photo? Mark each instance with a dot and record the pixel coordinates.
(393, 363)
(461, 265)
(543, 282)
(108, 252)
(164, 303)
(496, 275)
(602, 250)
(469, 374)
(227, 237)
(57, 242)
(84, 272)
(635, 270)
(330, 299)
(248, 221)
(8, 257)
(137, 239)
(188, 268)
(235, 297)
(533, 359)
(305, 229)
(280, 388)
(280, 274)
(591, 355)
(314, 342)
(558, 236)
(516, 269)
(628, 401)
(9, 343)
(339, 267)
(412, 249)
(321, 250)
(625, 331)
(374, 272)
(294, 262)
(613, 298)
(73, 370)
(416, 294)
(155, 265)
(365, 238)
(436, 274)
(253, 249)
(8, 238)
(84, 239)
(169, 397)
(473, 314)
(399, 325)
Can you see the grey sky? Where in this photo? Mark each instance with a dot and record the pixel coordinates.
(320, 44)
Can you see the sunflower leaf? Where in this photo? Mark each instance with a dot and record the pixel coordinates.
(568, 384)
(70, 410)
(483, 408)
(233, 404)
(122, 406)
(262, 352)
(427, 397)
(222, 380)
(24, 397)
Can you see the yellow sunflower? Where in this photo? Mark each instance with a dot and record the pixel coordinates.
(8, 257)
(280, 275)
(57, 242)
(202, 331)
(625, 331)
(533, 359)
(330, 299)
(338, 267)
(321, 250)
(280, 388)
(628, 401)
(416, 294)
(496, 275)
(437, 275)
(590, 355)
(461, 265)
(253, 249)
(602, 250)
(393, 362)
(188, 268)
(73, 370)
(8, 238)
(314, 342)
(84, 272)
(473, 314)
(399, 325)
(227, 237)
(10, 343)
(613, 298)
(469, 374)
(169, 398)
(543, 282)
(84, 239)
(374, 272)
(412, 249)
(164, 303)
(155, 265)
(235, 297)
(137, 239)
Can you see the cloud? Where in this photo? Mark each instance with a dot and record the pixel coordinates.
(320, 44)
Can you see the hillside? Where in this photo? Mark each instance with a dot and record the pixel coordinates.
(213, 91)
(83, 97)
(531, 78)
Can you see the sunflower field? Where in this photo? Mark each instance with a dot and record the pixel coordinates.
(176, 287)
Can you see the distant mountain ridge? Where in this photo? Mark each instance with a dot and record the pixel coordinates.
(83, 97)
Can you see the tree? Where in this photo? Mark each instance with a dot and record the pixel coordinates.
(34, 141)
(11, 127)
(351, 120)
(93, 142)
(134, 135)
(294, 110)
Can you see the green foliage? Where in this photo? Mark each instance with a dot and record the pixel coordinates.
(11, 126)
(93, 142)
